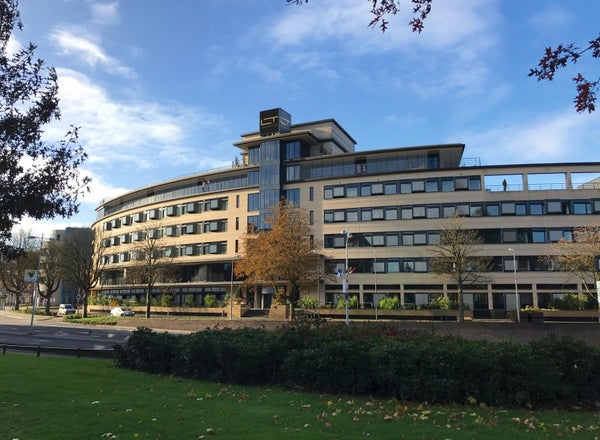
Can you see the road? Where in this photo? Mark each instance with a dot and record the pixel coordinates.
(52, 332)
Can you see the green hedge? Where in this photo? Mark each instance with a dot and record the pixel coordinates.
(379, 361)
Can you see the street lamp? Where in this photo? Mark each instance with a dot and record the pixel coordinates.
(231, 290)
(36, 289)
(516, 287)
(347, 236)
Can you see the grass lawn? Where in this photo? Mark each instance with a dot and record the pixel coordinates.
(61, 398)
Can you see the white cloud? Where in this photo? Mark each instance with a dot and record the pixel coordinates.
(562, 137)
(89, 52)
(131, 133)
(105, 13)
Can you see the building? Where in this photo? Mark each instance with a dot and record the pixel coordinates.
(392, 201)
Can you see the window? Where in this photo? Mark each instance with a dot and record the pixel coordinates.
(191, 207)
(125, 238)
(377, 189)
(421, 266)
(190, 250)
(253, 156)
(293, 196)
(339, 216)
(365, 215)
(406, 213)
(407, 239)
(154, 214)
(509, 236)
(538, 236)
(327, 193)
(408, 266)
(420, 239)
(405, 187)
(125, 221)
(447, 184)
(433, 238)
(391, 213)
(463, 210)
(391, 188)
(433, 212)
(393, 266)
(214, 204)
(138, 217)
(419, 212)
(508, 208)
(339, 242)
(253, 202)
(171, 231)
(509, 264)
(292, 173)
(137, 235)
(352, 215)
(461, 184)
(378, 240)
(339, 191)
(365, 189)
(520, 209)
(582, 208)
(377, 214)
(449, 211)
(352, 191)
(328, 217)
(474, 183)
(189, 228)
(171, 211)
(431, 185)
(237, 200)
(379, 266)
(492, 210)
(311, 193)
(253, 177)
(392, 239)
(476, 211)
(554, 208)
(536, 208)
(418, 186)
(311, 217)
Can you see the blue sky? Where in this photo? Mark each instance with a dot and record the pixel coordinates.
(163, 88)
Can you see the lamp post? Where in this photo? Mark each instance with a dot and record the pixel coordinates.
(231, 289)
(36, 288)
(516, 286)
(347, 235)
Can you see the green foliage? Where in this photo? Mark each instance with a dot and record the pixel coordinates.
(189, 301)
(210, 301)
(308, 302)
(389, 303)
(92, 320)
(442, 303)
(371, 360)
(166, 300)
(570, 301)
(352, 302)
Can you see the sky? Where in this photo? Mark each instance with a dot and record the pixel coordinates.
(162, 89)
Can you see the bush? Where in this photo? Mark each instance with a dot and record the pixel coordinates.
(308, 302)
(352, 302)
(570, 301)
(376, 360)
(210, 301)
(166, 300)
(442, 303)
(389, 303)
(189, 301)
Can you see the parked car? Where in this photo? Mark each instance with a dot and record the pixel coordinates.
(65, 309)
(121, 311)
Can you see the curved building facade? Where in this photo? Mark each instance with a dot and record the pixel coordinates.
(392, 201)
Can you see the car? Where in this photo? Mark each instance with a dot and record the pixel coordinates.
(65, 309)
(121, 311)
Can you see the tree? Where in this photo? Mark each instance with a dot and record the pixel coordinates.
(457, 258)
(13, 267)
(284, 256)
(37, 179)
(150, 262)
(579, 256)
(81, 260)
(50, 272)
(552, 61)
(555, 59)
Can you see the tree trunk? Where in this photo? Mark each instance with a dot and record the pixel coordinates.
(85, 304)
(461, 305)
(17, 301)
(148, 299)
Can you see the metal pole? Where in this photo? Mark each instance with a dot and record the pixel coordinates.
(345, 284)
(231, 293)
(36, 288)
(517, 302)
